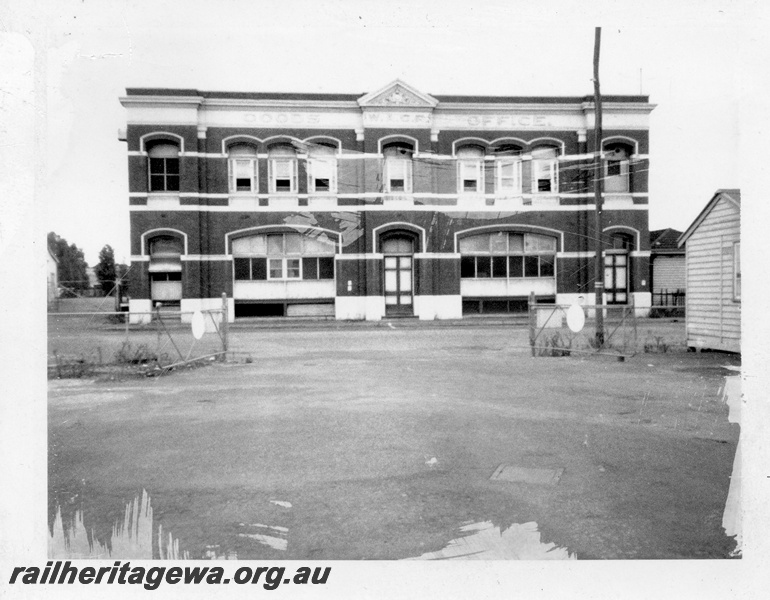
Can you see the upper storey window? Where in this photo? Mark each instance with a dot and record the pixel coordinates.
(242, 168)
(322, 169)
(470, 170)
(616, 168)
(508, 169)
(398, 167)
(283, 169)
(545, 171)
(164, 167)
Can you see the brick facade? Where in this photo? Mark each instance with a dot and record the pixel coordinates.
(206, 212)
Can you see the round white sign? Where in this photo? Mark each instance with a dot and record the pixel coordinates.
(198, 325)
(576, 318)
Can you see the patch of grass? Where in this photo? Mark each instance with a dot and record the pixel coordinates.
(140, 354)
(556, 345)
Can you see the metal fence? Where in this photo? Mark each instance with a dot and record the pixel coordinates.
(552, 333)
(669, 298)
(101, 342)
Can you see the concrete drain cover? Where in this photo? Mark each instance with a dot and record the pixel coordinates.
(524, 475)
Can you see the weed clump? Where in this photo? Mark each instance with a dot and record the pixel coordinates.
(141, 354)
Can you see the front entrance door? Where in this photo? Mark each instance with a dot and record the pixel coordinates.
(398, 285)
(399, 278)
(616, 278)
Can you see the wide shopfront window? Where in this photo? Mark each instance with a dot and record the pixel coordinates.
(506, 255)
(284, 257)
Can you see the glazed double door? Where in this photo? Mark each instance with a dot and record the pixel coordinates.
(399, 285)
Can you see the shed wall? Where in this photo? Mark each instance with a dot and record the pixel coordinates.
(713, 314)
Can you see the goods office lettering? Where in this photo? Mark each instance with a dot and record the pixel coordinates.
(492, 121)
(283, 118)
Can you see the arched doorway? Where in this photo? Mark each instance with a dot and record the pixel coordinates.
(617, 267)
(398, 272)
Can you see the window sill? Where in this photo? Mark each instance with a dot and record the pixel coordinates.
(617, 200)
(163, 199)
(545, 199)
(400, 198)
(511, 201)
(322, 200)
(243, 201)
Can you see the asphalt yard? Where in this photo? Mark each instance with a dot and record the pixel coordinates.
(402, 442)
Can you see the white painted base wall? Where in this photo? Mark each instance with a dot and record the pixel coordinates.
(429, 308)
(139, 312)
(545, 286)
(372, 308)
(359, 308)
(642, 302)
(284, 290)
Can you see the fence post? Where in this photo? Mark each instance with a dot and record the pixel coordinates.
(633, 317)
(224, 324)
(532, 321)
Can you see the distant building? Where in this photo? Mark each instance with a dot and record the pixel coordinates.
(667, 268)
(94, 285)
(52, 278)
(391, 203)
(713, 259)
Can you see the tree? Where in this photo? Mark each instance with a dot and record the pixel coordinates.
(106, 271)
(122, 271)
(73, 277)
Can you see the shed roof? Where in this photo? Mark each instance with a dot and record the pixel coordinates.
(731, 195)
(665, 241)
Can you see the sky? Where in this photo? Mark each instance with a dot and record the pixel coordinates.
(683, 56)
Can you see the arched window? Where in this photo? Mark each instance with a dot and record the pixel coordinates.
(616, 168)
(166, 268)
(283, 169)
(470, 170)
(504, 254)
(508, 169)
(242, 168)
(545, 171)
(322, 169)
(283, 256)
(398, 167)
(164, 167)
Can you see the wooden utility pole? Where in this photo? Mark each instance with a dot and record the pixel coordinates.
(598, 186)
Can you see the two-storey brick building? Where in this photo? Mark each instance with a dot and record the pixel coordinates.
(391, 203)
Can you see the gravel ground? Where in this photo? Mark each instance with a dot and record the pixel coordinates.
(383, 441)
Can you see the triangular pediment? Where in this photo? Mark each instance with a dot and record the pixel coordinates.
(397, 94)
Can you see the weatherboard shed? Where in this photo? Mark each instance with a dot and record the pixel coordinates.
(713, 274)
